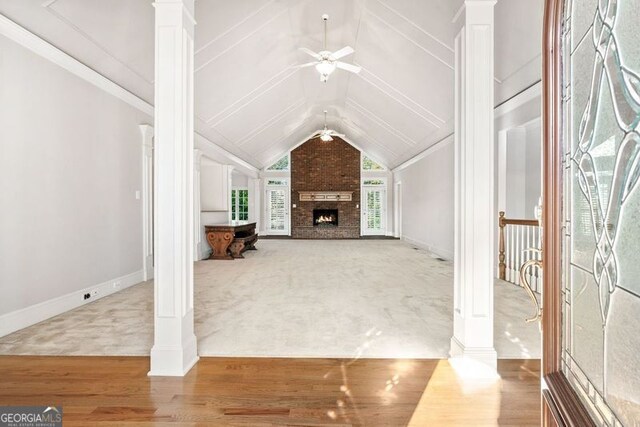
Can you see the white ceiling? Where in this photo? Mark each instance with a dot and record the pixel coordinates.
(249, 98)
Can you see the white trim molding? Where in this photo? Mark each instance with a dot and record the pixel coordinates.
(25, 317)
(426, 153)
(442, 253)
(527, 95)
(147, 201)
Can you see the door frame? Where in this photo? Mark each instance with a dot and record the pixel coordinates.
(363, 196)
(287, 204)
(560, 404)
(398, 210)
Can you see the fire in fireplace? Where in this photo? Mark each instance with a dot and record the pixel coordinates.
(325, 217)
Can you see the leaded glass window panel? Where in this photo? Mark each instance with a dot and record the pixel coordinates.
(601, 280)
(371, 165)
(280, 165)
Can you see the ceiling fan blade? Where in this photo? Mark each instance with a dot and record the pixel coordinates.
(312, 53)
(345, 51)
(339, 135)
(348, 67)
(308, 64)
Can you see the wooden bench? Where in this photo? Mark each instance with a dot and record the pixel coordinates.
(241, 244)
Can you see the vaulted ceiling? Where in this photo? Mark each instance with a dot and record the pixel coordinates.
(254, 102)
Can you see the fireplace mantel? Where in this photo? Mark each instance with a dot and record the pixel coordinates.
(334, 196)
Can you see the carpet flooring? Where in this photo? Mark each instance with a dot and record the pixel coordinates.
(296, 298)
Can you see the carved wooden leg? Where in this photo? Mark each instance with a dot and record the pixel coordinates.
(219, 242)
(252, 246)
(236, 248)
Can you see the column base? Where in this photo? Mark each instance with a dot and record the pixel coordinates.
(484, 358)
(173, 361)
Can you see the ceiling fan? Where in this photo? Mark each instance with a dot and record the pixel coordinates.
(326, 61)
(326, 134)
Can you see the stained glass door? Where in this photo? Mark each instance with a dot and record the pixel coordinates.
(599, 282)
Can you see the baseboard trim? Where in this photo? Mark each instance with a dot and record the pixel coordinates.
(174, 361)
(481, 356)
(448, 255)
(25, 317)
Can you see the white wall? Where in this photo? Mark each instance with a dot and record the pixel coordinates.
(533, 173)
(214, 197)
(515, 172)
(70, 166)
(522, 171)
(427, 200)
(239, 180)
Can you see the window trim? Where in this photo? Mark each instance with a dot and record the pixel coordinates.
(237, 204)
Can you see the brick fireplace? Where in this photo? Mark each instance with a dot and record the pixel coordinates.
(318, 166)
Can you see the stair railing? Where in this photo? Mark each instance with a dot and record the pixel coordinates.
(516, 240)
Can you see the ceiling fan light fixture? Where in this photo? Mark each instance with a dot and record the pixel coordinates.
(325, 67)
(326, 137)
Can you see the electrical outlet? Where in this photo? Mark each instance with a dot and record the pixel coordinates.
(94, 293)
(116, 285)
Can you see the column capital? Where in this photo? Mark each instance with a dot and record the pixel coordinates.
(471, 4)
(197, 158)
(175, 12)
(147, 134)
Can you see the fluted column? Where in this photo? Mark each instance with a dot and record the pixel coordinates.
(174, 350)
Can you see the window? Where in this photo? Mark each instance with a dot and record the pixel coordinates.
(280, 165)
(239, 204)
(373, 182)
(370, 165)
(278, 182)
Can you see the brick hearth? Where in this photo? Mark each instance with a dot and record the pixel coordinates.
(325, 166)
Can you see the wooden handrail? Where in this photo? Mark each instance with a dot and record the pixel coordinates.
(502, 223)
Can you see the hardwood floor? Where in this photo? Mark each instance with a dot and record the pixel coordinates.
(116, 391)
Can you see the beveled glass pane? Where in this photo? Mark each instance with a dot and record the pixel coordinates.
(582, 13)
(601, 278)
(587, 333)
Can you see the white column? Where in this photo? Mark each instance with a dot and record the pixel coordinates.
(474, 195)
(174, 350)
(197, 226)
(147, 201)
(229, 170)
(254, 201)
